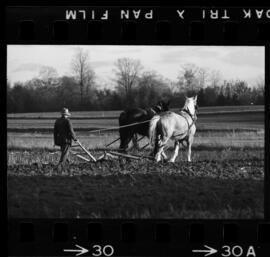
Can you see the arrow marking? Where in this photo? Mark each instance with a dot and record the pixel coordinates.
(79, 251)
(208, 251)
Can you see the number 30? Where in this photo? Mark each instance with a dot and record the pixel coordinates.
(234, 251)
(106, 250)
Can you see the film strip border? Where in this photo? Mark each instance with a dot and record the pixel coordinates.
(47, 25)
(137, 238)
(138, 25)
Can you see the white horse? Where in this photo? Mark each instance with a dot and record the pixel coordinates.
(179, 127)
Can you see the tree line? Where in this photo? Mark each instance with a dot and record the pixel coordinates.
(133, 86)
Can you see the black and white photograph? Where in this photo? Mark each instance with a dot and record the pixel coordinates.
(135, 131)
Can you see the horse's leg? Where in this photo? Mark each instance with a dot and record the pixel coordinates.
(125, 139)
(135, 141)
(189, 143)
(176, 150)
(159, 153)
(160, 149)
(164, 156)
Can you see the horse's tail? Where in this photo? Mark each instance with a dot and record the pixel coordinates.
(154, 132)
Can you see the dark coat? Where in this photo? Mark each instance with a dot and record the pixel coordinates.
(63, 132)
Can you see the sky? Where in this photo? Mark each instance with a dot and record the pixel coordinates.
(233, 62)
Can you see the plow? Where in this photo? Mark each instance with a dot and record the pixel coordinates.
(83, 153)
(108, 154)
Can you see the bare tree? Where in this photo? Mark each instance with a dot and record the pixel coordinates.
(48, 75)
(89, 82)
(82, 71)
(127, 72)
(151, 88)
(260, 83)
(215, 78)
(187, 79)
(202, 76)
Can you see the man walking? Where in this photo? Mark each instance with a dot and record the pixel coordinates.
(63, 136)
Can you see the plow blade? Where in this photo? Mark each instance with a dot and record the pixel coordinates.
(82, 157)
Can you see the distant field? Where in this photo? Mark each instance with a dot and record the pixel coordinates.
(250, 118)
(203, 140)
(116, 113)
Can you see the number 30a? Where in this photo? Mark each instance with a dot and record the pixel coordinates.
(237, 251)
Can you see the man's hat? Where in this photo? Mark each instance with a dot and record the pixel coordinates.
(65, 112)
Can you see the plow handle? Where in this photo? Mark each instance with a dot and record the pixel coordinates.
(86, 151)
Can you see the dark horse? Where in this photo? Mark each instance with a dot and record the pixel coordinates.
(137, 115)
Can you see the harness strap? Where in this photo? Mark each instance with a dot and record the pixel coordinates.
(189, 125)
(159, 107)
(188, 112)
(153, 110)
